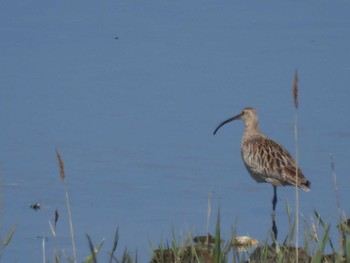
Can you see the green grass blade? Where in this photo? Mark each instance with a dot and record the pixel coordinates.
(94, 251)
(8, 238)
(323, 224)
(319, 254)
(115, 244)
(217, 248)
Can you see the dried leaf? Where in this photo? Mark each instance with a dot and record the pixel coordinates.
(53, 232)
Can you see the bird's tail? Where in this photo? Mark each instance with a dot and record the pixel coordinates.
(306, 186)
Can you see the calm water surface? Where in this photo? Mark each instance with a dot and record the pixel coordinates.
(133, 117)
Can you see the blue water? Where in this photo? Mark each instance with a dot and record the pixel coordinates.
(133, 117)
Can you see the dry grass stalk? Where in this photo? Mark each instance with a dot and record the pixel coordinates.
(209, 209)
(295, 96)
(54, 234)
(43, 247)
(62, 175)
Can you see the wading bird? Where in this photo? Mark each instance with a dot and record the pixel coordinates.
(266, 160)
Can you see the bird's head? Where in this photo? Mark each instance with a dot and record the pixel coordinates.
(248, 116)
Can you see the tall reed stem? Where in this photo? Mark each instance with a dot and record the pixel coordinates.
(296, 187)
(62, 175)
(295, 96)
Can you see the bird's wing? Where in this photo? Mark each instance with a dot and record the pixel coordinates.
(274, 162)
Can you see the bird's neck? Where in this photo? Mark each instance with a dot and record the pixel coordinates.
(252, 127)
(251, 130)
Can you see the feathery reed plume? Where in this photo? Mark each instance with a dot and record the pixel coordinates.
(62, 175)
(61, 165)
(295, 90)
(295, 97)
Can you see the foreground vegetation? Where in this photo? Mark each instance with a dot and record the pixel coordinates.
(209, 249)
(212, 249)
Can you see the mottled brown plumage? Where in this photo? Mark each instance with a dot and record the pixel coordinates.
(266, 160)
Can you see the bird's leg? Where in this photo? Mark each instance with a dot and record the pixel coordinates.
(274, 203)
(274, 200)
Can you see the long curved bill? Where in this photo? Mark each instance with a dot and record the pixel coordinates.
(227, 121)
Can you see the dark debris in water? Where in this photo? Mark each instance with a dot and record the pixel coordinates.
(35, 206)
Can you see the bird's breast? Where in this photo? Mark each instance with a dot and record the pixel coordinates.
(252, 160)
(249, 157)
